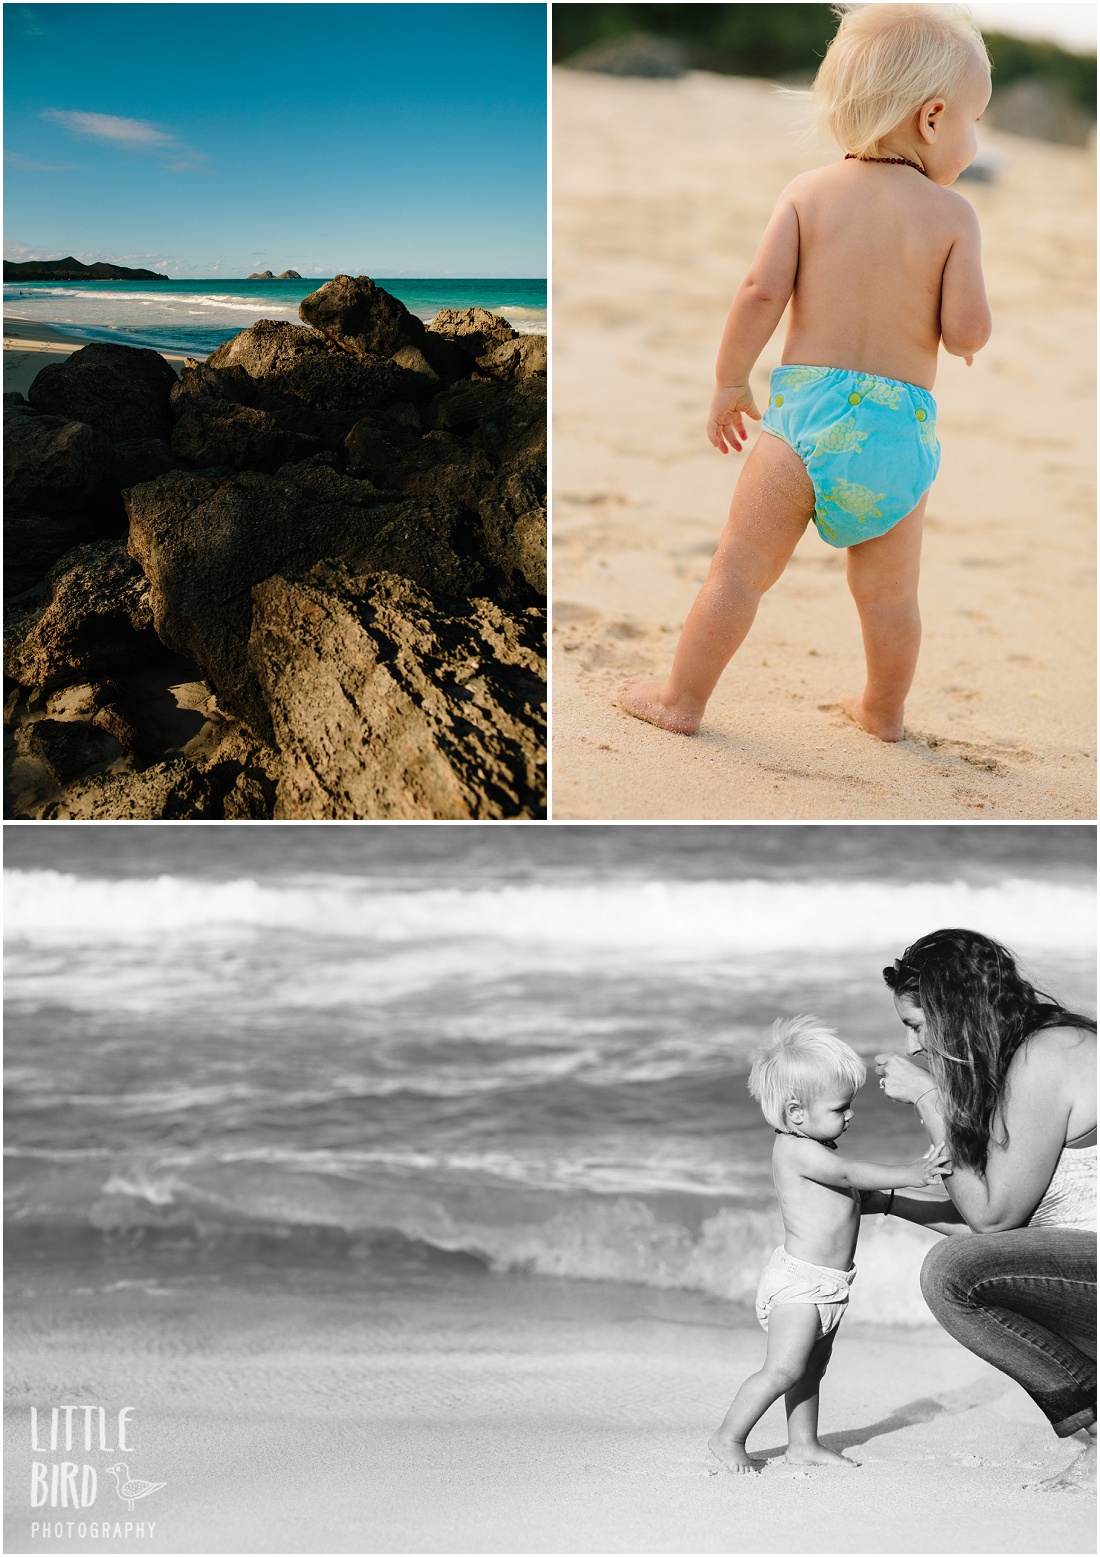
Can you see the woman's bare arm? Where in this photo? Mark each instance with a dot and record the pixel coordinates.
(1027, 1138)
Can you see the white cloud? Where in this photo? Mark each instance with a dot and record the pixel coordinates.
(15, 159)
(131, 135)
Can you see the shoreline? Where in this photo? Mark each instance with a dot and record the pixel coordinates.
(515, 1415)
(29, 347)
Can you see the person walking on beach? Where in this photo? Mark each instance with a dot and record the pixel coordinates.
(804, 1080)
(1011, 1089)
(881, 263)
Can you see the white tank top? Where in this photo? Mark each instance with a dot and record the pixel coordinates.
(1070, 1199)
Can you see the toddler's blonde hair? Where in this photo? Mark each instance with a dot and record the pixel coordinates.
(801, 1060)
(885, 61)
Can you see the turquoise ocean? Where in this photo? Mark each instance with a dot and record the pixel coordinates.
(197, 316)
(395, 1057)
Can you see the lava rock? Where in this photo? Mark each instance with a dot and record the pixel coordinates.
(96, 617)
(121, 391)
(473, 330)
(34, 542)
(390, 702)
(203, 542)
(524, 357)
(66, 748)
(361, 317)
(222, 433)
(167, 791)
(51, 464)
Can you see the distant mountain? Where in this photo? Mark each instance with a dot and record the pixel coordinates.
(70, 269)
(266, 275)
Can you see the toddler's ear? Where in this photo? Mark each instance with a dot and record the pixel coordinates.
(794, 1110)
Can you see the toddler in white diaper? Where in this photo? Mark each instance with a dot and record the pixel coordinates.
(804, 1080)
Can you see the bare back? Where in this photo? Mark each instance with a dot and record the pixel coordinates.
(820, 1222)
(873, 243)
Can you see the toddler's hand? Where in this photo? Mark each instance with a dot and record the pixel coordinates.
(725, 420)
(935, 1164)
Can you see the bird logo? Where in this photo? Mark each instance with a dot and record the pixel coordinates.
(130, 1489)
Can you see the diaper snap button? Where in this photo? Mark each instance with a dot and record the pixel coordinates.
(922, 416)
(854, 399)
(778, 400)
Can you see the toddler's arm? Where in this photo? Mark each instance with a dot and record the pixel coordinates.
(750, 324)
(965, 320)
(816, 1162)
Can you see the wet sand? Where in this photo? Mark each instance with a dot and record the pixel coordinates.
(516, 1416)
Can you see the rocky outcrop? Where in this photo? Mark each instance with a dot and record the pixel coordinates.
(95, 617)
(387, 479)
(204, 541)
(390, 702)
(262, 275)
(121, 391)
(288, 275)
(51, 465)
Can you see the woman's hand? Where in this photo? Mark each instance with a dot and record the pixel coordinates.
(901, 1079)
(725, 421)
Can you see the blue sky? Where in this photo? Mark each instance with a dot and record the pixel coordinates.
(214, 139)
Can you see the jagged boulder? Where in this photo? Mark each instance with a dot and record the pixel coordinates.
(96, 617)
(308, 384)
(513, 519)
(121, 391)
(200, 384)
(390, 702)
(34, 542)
(66, 747)
(204, 542)
(51, 464)
(222, 433)
(473, 330)
(268, 348)
(523, 357)
(361, 317)
(167, 791)
(442, 468)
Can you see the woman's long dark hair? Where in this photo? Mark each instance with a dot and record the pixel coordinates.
(978, 1010)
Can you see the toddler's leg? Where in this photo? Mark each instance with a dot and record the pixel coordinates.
(772, 504)
(883, 576)
(801, 1402)
(792, 1332)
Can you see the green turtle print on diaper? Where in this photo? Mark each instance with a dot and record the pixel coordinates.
(879, 391)
(854, 500)
(840, 438)
(795, 378)
(869, 445)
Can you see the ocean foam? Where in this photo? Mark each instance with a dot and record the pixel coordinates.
(660, 920)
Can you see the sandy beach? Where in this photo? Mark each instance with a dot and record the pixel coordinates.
(661, 191)
(514, 1415)
(30, 347)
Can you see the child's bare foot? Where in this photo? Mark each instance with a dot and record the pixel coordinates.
(816, 1454)
(883, 728)
(732, 1455)
(1078, 1476)
(649, 700)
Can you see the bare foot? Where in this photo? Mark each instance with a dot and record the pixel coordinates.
(882, 729)
(816, 1454)
(732, 1455)
(648, 700)
(1078, 1476)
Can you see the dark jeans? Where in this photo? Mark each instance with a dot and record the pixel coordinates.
(1026, 1302)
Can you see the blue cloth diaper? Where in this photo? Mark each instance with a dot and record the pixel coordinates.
(869, 445)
